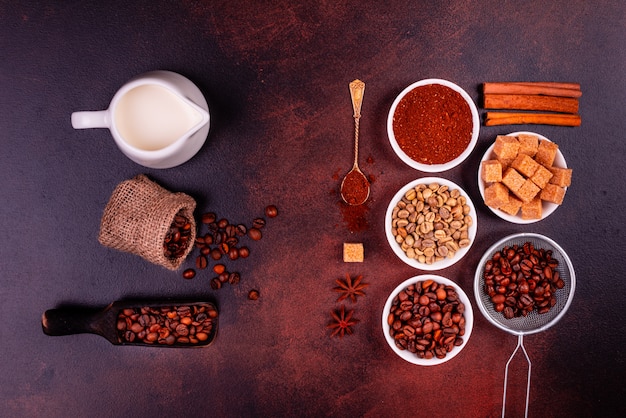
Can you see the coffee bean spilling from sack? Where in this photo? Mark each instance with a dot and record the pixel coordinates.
(177, 238)
(223, 239)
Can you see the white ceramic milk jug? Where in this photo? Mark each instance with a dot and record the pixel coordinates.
(158, 119)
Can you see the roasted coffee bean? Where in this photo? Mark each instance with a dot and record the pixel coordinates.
(406, 316)
(427, 319)
(168, 325)
(201, 262)
(144, 320)
(189, 274)
(406, 305)
(232, 241)
(230, 230)
(255, 234)
(271, 211)
(176, 239)
(520, 279)
(223, 239)
(219, 237)
(258, 223)
(208, 218)
(241, 230)
(498, 298)
(244, 252)
(182, 330)
(234, 278)
(216, 254)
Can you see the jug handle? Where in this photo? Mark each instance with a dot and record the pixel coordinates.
(90, 119)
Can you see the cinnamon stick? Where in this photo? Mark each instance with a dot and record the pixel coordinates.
(514, 118)
(555, 84)
(531, 102)
(542, 88)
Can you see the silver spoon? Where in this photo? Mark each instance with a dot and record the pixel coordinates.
(355, 189)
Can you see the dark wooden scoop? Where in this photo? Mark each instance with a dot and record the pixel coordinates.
(198, 330)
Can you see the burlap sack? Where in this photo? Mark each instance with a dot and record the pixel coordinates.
(138, 217)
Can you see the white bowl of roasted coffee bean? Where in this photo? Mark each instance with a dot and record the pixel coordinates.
(427, 320)
(430, 223)
(433, 125)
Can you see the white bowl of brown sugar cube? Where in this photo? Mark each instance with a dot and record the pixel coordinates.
(523, 177)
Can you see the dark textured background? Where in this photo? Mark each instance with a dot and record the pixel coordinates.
(276, 77)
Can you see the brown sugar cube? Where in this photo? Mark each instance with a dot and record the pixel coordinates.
(528, 144)
(512, 208)
(496, 195)
(546, 152)
(525, 165)
(512, 179)
(505, 164)
(561, 176)
(541, 177)
(528, 191)
(352, 252)
(491, 171)
(532, 209)
(506, 147)
(553, 193)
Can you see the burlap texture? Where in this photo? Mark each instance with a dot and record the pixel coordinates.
(138, 216)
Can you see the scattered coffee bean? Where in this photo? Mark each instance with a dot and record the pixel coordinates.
(208, 218)
(244, 252)
(258, 223)
(189, 274)
(271, 211)
(253, 294)
(233, 278)
(222, 238)
(255, 234)
(201, 262)
(223, 277)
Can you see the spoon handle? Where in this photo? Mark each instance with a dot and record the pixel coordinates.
(357, 87)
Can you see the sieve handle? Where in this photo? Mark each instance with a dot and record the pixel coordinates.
(520, 343)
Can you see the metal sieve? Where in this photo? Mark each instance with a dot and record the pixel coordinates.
(533, 322)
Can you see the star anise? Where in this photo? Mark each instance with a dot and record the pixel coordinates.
(349, 288)
(342, 322)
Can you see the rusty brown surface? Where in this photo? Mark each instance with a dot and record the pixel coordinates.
(276, 78)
